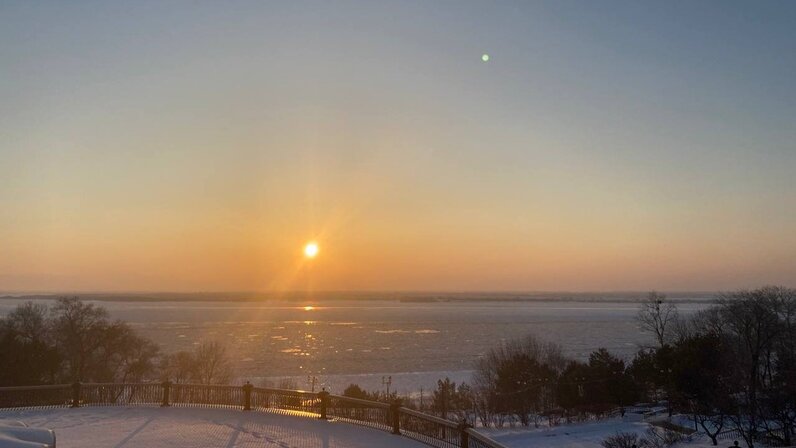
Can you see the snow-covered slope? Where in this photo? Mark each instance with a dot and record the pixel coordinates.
(581, 435)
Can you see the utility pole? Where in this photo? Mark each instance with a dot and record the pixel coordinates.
(312, 380)
(387, 381)
(444, 401)
(421, 399)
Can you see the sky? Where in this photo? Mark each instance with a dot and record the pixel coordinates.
(197, 146)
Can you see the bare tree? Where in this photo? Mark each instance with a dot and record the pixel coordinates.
(287, 383)
(29, 322)
(752, 321)
(712, 423)
(497, 375)
(71, 341)
(124, 356)
(484, 380)
(78, 329)
(212, 364)
(707, 322)
(177, 367)
(96, 349)
(26, 355)
(658, 316)
(621, 440)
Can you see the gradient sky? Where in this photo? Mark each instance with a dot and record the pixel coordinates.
(196, 146)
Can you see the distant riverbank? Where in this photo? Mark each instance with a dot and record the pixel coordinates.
(401, 296)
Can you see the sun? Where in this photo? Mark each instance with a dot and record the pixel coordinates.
(311, 250)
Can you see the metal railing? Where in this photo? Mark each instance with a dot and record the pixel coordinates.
(767, 437)
(432, 430)
(391, 417)
(361, 412)
(36, 396)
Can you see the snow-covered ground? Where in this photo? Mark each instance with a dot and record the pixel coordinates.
(574, 435)
(579, 435)
(131, 427)
(154, 427)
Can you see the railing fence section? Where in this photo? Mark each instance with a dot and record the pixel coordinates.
(431, 430)
(391, 417)
(59, 396)
(205, 396)
(116, 394)
(361, 412)
(285, 401)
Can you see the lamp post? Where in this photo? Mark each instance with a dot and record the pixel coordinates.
(311, 379)
(669, 387)
(387, 381)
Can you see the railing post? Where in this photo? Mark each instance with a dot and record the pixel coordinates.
(76, 386)
(464, 436)
(324, 396)
(395, 416)
(247, 396)
(166, 385)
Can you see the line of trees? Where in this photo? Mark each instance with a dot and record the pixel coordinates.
(731, 366)
(448, 400)
(77, 341)
(528, 381)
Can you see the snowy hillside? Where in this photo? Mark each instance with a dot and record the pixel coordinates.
(582, 435)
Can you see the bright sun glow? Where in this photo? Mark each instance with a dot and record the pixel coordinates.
(309, 308)
(311, 250)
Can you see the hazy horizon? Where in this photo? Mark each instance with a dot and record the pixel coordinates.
(309, 296)
(198, 146)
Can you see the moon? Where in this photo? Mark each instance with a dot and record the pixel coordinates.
(485, 57)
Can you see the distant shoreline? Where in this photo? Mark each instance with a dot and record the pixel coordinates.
(403, 297)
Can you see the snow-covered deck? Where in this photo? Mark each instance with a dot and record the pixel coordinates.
(130, 427)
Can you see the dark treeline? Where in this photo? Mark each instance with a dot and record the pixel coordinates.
(731, 366)
(76, 341)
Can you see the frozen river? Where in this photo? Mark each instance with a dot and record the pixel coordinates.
(341, 339)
